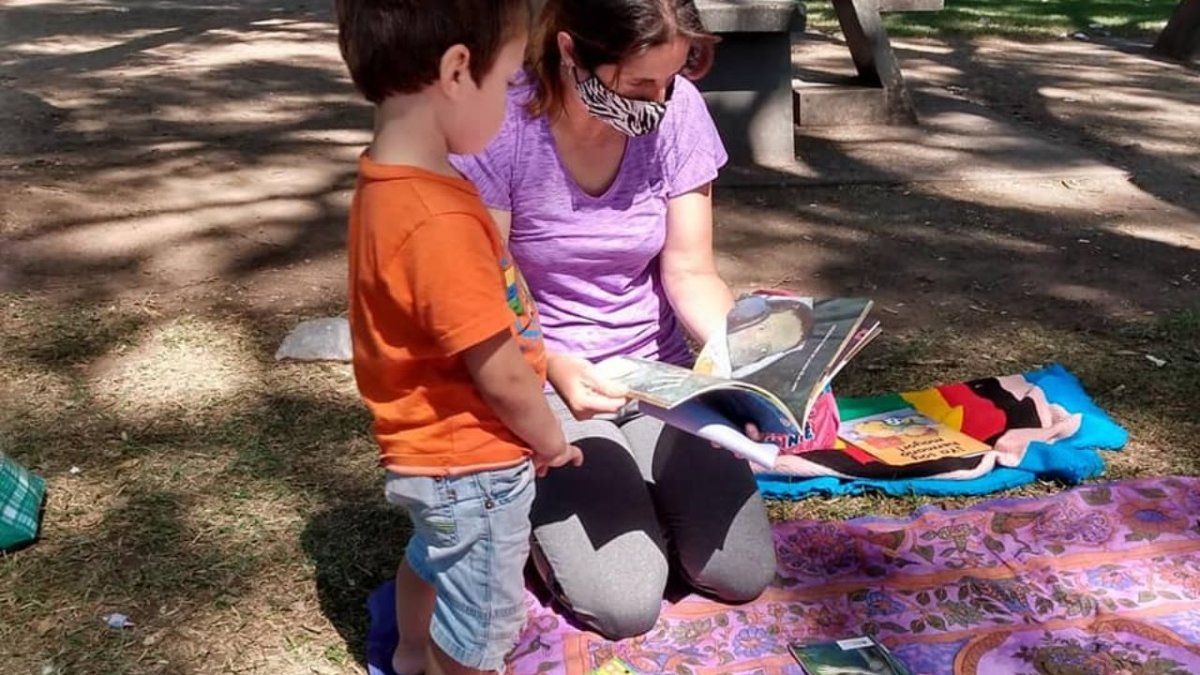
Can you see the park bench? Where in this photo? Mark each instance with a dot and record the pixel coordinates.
(750, 90)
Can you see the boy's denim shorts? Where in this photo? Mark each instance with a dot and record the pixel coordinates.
(470, 542)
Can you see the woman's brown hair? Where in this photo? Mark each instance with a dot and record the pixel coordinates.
(608, 32)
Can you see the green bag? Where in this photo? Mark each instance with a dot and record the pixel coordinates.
(21, 493)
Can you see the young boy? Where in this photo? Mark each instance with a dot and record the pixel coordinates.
(447, 346)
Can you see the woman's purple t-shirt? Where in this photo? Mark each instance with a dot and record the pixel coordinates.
(592, 262)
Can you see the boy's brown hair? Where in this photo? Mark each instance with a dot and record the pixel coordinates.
(396, 46)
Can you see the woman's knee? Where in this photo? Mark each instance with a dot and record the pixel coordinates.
(623, 613)
(733, 578)
(739, 562)
(619, 591)
(624, 610)
(598, 545)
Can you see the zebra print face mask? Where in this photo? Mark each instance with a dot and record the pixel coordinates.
(629, 116)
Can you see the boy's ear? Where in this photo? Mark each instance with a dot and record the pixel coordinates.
(454, 71)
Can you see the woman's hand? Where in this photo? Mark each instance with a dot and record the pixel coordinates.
(751, 431)
(585, 392)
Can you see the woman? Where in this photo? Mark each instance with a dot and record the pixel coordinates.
(602, 175)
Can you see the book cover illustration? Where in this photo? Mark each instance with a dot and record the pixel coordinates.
(857, 656)
(759, 330)
(766, 367)
(798, 373)
(709, 407)
(905, 436)
(789, 346)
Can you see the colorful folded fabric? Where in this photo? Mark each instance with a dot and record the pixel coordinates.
(1041, 424)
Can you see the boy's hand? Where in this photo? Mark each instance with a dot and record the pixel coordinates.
(585, 392)
(514, 392)
(569, 454)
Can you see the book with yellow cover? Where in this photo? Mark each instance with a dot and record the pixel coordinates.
(905, 436)
(613, 666)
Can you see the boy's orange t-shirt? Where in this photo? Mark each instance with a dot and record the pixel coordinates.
(429, 278)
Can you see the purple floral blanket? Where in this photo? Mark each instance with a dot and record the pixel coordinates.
(1101, 579)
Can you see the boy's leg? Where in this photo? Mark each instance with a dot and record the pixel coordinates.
(440, 663)
(414, 607)
(477, 566)
(432, 516)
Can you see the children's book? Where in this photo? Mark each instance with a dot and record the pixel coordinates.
(766, 366)
(613, 666)
(856, 656)
(905, 436)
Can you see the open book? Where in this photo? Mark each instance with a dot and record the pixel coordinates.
(905, 436)
(766, 366)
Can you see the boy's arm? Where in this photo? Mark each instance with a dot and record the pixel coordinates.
(458, 296)
(514, 392)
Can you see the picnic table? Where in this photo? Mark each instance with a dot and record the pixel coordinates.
(757, 104)
(751, 93)
(749, 89)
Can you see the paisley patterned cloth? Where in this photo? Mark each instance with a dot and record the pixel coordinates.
(1099, 580)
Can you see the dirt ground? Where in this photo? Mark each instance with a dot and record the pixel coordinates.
(198, 152)
(174, 179)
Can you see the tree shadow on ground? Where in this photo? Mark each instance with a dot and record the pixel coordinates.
(194, 142)
(1142, 83)
(186, 514)
(268, 146)
(355, 546)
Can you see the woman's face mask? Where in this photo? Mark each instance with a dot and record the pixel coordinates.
(632, 117)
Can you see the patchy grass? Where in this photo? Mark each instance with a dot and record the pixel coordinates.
(230, 506)
(1018, 18)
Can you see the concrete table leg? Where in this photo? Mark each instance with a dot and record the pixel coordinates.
(1180, 39)
(862, 26)
(749, 93)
